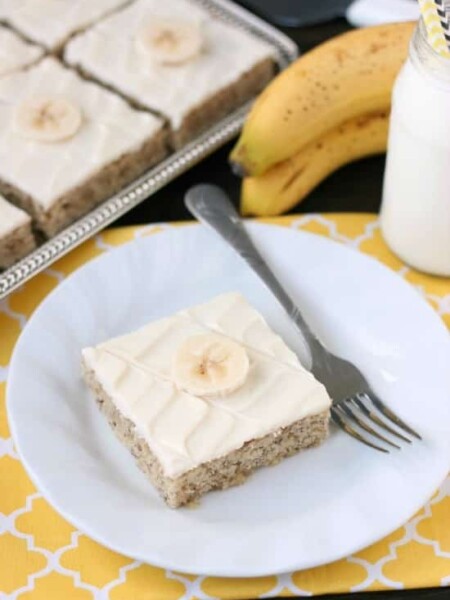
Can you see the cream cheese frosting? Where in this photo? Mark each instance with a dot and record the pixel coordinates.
(173, 90)
(51, 22)
(11, 217)
(184, 430)
(109, 129)
(15, 53)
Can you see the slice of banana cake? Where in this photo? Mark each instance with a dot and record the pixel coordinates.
(15, 52)
(66, 144)
(16, 236)
(51, 22)
(206, 396)
(173, 57)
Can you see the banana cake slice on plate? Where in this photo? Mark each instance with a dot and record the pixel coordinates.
(174, 58)
(206, 396)
(66, 144)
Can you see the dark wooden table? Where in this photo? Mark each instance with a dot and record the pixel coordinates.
(354, 188)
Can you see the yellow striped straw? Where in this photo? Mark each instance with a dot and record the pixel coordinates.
(436, 16)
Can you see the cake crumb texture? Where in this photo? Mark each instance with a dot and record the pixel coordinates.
(218, 474)
(16, 244)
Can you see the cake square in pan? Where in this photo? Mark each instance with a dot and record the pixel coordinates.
(15, 52)
(174, 58)
(206, 396)
(66, 144)
(51, 22)
(16, 235)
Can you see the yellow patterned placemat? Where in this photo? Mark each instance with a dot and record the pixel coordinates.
(44, 557)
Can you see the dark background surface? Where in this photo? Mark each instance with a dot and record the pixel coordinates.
(354, 188)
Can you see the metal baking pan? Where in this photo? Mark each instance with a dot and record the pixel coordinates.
(156, 178)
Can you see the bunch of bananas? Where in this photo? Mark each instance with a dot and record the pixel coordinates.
(327, 109)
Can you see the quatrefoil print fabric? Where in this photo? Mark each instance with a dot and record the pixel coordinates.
(42, 557)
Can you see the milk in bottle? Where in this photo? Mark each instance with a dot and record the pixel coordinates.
(415, 214)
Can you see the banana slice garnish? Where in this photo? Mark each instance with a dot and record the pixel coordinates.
(209, 365)
(47, 118)
(170, 41)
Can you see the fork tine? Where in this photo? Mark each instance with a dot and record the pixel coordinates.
(346, 427)
(387, 412)
(352, 414)
(370, 414)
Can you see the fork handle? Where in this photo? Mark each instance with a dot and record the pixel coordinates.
(210, 205)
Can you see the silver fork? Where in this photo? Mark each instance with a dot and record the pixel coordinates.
(355, 407)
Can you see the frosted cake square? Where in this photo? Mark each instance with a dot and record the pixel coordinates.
(206, 396)
(174, 58)
(16, 235)
(15, 52)
(51, 22)
(66, 144)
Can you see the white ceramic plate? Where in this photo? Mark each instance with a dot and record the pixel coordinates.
(311, 509)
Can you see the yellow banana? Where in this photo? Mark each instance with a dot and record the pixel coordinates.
(280, 188)
(350, 75)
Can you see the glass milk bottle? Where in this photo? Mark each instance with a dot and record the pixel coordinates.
(415, 213)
